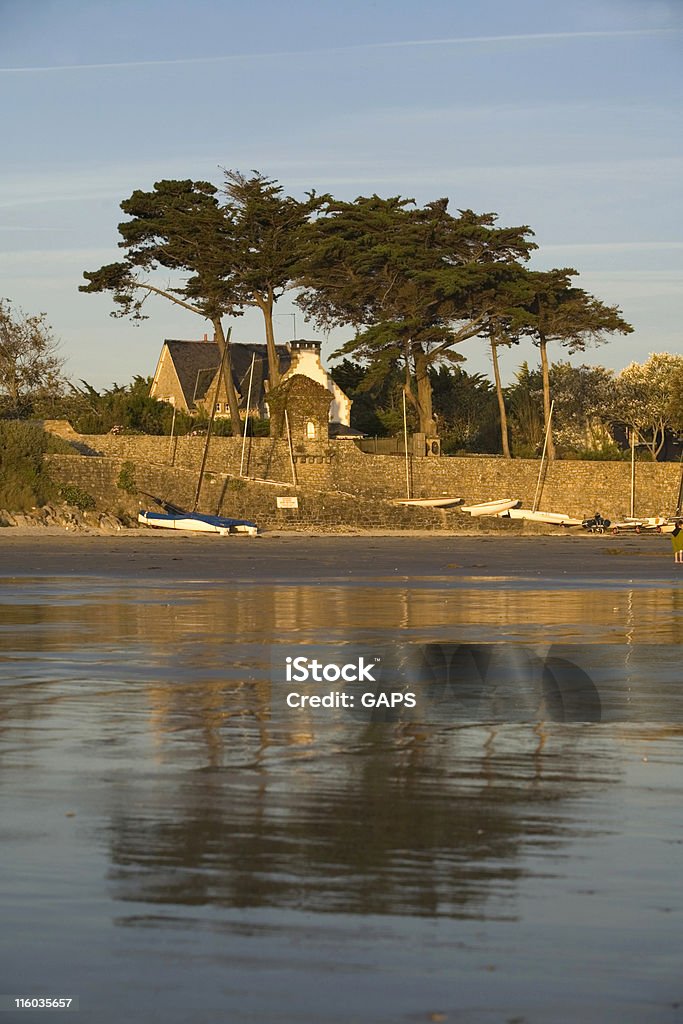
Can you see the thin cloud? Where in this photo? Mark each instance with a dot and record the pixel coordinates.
(529, 37)
(612, 246)
(37, 258)
(17, 227)
(112, 184)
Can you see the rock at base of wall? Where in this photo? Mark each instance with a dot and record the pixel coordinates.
(65, 517)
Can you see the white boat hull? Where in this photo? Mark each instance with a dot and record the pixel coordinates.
(491, 508)
(552, 518)
(661, 524)
(647, 522)
(429, 502)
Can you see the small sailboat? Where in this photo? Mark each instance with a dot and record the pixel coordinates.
(443, 502)
(175, 518)
(660, 524)
(647, 522)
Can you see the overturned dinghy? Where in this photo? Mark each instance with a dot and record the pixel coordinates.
(491, 508)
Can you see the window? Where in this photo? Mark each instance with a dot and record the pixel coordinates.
(310, 430)
(218, 406)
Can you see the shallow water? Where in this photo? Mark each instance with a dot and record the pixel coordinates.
(175, 850)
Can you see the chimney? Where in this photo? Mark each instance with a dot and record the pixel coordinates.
(303, 350)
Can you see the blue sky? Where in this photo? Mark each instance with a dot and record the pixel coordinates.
(564, 117)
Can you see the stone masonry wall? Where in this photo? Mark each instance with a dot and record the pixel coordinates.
(338, 474)
(575, 487)
(247, 499)
(264, 457)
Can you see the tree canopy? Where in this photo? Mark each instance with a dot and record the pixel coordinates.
(267, 240)
(30, 363)
(211, 253)
(413, 281)
(552, 309)
(181, 228)
(648, 398)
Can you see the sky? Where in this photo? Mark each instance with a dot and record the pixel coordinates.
(563, 117)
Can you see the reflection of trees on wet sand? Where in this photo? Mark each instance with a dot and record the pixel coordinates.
(243, 809)
(381, 821)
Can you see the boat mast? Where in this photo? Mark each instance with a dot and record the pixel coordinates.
(221, 373)
(405, 446)
(545, 445)
(633, 471)
(246, 413)
(291, 450)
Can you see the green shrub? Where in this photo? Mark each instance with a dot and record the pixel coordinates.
(259, 428)
(55, 445)
(24, 481)
(126, 481)
(74, 495)
(222, 427)
(123, 409)
(608, 453)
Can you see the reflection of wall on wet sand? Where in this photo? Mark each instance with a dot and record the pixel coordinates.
(191, 647)
(217, 642)
(318, 613)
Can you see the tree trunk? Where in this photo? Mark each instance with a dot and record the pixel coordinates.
(550, 451)
(12, 388)
(265, 304)
(501, 401)
(424, 391)
(658, 439)
(223, 343)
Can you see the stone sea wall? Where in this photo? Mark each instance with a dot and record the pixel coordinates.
(337, 484)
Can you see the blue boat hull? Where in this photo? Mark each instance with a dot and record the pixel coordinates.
(197, 522)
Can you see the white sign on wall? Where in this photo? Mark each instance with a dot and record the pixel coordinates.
(288, 501)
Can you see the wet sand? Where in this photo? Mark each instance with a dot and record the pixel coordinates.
(597, 560)
(178, 846)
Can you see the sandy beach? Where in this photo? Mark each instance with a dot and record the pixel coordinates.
(594, 559)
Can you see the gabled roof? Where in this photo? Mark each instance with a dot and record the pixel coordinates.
(196, 363)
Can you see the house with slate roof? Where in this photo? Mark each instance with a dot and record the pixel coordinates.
(187, 376)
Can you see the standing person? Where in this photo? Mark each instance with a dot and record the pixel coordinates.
(677, 541)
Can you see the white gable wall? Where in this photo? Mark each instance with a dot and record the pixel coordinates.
(307, 362)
